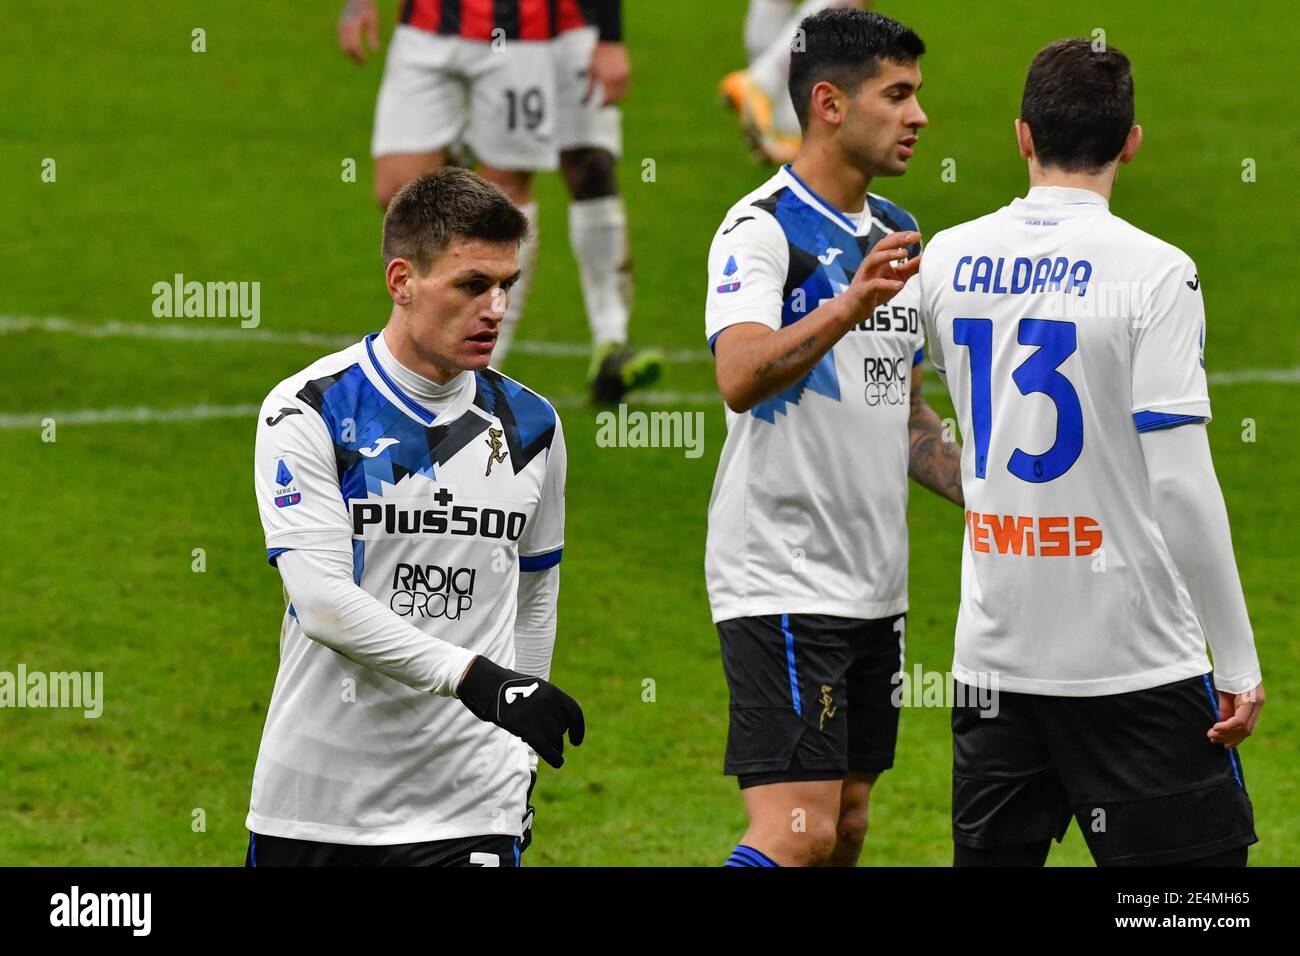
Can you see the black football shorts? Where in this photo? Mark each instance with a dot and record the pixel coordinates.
(469, 851)
(1135, 770)
(811, 695)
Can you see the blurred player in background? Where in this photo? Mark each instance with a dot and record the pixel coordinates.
(1098, 559)
(759, 95)
(806, 558)
(413, 503)
(526, 86)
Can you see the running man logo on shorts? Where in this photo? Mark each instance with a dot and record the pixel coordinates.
(828, 706)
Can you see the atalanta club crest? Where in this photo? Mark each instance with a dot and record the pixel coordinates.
(730, 280)
(286, 492)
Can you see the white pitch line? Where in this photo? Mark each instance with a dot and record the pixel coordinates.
(186, 413)
(1282, 376)
(193, 413)
(12, 324)
(143, 414)
(115, 416)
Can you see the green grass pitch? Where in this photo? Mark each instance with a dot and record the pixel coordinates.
(225, 165)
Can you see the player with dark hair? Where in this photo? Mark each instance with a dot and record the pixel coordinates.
(1098, 558)
(806, 558)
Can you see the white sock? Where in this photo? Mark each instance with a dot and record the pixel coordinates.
(763, 22)
(519, 291)
(598, 234)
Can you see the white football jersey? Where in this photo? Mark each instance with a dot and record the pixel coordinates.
(1063, 332)
(442, 513)
(809, 506)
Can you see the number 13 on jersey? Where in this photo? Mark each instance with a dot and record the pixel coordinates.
(1056, 342)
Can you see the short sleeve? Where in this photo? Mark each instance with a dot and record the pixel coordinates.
(296, 480)
(747, 272)
(926, 319)
(906, 306)
(542, 542)
(1168, 359)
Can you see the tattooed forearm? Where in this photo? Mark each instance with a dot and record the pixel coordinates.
(934, 462)
(796, 354)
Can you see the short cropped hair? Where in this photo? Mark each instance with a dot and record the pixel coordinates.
(1078, 103)
(446, 204)
(844, 46)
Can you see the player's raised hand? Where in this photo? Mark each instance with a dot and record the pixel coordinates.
(1240, 714)
(610, 68)
(880, 277)
(536, 711)
(358, 27)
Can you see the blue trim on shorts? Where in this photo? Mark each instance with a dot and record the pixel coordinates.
(1214, 705)
(789, 660)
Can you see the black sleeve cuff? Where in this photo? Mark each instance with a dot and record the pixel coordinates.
(608, 20)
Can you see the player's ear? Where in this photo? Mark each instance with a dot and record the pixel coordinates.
(1024, 139)
(398, 275)
(1131, 144)
(824, 101)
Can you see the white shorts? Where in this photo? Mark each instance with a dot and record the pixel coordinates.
(581, 120)
(497, 98)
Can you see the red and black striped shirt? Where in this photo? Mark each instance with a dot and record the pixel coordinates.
(516, 19)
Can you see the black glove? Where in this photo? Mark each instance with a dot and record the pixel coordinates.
(532, 709)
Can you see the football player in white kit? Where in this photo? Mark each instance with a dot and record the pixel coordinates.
(413, 502)
(1097, 559)
(525, 86)
(806, 560)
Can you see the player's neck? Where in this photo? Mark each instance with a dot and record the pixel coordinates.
(826, 172)
(402, 349)
(1100, 182)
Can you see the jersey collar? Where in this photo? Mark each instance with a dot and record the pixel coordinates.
(806, 193)
(1065, 196)
(390, 389)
